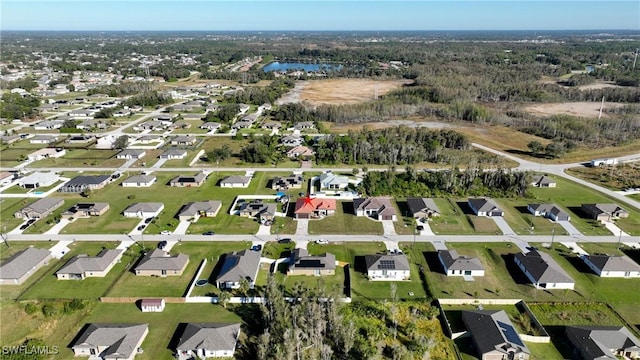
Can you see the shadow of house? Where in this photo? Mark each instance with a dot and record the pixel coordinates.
(359, 264)
(523, 210)
(347, 207)
(464, 206)
(216, 270)
(577, 263)
(634, 254)
(175, 338)
(404, 208)
(433, 262)
(514, 271)
(576, 210)
(561, 342)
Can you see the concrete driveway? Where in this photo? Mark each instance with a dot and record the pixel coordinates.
(503, 225)
(615, 230)
(570, 228)
(302, 227)
(57, 227)
(182, 227)
(264, 230)
(439, 245)
(388, 228)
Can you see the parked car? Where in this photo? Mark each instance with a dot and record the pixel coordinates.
(162, 244)
(141, 227)
(285, 241)
(256, 247)
(419, 227)
(165, 232)
(208, 233)
(322, 241)
(148, 220)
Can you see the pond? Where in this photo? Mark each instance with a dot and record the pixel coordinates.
(287, 66)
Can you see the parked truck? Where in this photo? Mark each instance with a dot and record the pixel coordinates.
(604, 162)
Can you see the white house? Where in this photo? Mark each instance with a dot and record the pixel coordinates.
(456, 265)
(387, 267)
(331, 181)
(131, 154)
(550, 211)
(48, 125)
(43, 139)
(543, 271)
(205, 340)
(174, 154)
(235, 181)
(46, 153)
(152, 305)
(38, 179)
(612, 266)
(143, 210)
(485, 207)
(139, 181)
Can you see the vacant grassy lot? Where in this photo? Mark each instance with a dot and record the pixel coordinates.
(457, 218)
(345, 222)
(619, 177)
(8, 206)
(571, 196)
(131, 285)
(90, 288)
(82, 158)
(522, 221)
(574, 313)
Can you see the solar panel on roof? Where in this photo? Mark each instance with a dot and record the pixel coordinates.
(387, 264)
(510, 333)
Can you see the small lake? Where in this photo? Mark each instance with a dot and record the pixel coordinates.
(288, 66)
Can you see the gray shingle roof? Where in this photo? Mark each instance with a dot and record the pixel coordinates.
(236, 179)
(599, 341)
(373, 262)
(207, 336)
(193, 208)
(419, 204)
(543, 268)
(83, 263)
(379, 203)
(161, 260)
(21, 262)
(491, 330)
(121, 339)
(139, 179)
(613, 263)
(484, 205)
(453, 261)
(300, 259)
(145, 207)
(43, 205)
(239, 265)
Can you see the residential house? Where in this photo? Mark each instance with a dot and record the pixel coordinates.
(122, 113)
(184, 141)
(387, 267)
(294, 181)
(85, 210)
(188, 180)
(159, 263)
(308, 208)
(292, 140)
(271, 125)
(604, 212)
(210, 126)
(48, 125)
(300, 151)
(237, 266)
(422, 208)
(153, 125)
(494, 336)
(174, 154)
(301, 263)
(152, 305)
(10, 139)
(46, 153)
(331, 181)
(43, 139)
(304, 125)
(603, 342)
(550, 211)
(139, 181)
(21, 265)
(82, 114)
(543, 271)
(167, 118)
(205, 340)
(235, 181)
(612, 266)
(242, 124)
(181, 125)
(39, 208)
(197, 209)
(485, 207)
(79, 139)
(129, 154)
(379, 208)
(258, 209)
(543, 181)
(456, 265)
(81, 183)
(83, 266)
(38, 179)
(143, 210)
(6, 178)
(149, 139)
(92, 124)
(110, 341)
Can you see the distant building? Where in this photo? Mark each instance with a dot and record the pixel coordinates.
(314, 208)
(603, 342)
(379, 208)
(129, 154)
(39, 208)
(38, 179)
(143, 210)
(85, 210)
(139, 181)
(550, 211)
(543, 181)
(205, 340)
(81, 183)
(235, 181)
(422, 208)
(604, 212)
(196, 209)
(188, 180)
(237, 266)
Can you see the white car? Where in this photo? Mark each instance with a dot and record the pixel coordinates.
(165, 232)
(322, 241)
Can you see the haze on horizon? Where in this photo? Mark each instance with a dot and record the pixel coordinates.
(350, 15)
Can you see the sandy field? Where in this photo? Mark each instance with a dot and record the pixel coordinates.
(581, 109)
(339, 91)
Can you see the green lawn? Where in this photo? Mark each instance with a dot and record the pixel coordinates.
(13, 291)
(522, 221)
(456, 218)
(17, 189)
(345, 222)
(82, 157)
(9, 206)
(176, 286)
(50, 287)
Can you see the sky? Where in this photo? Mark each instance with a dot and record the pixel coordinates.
(241, 15)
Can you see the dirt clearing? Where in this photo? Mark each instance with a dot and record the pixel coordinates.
(581, 109)
(339, 91)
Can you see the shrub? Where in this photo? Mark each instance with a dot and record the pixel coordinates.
(30, 308)
(49, 310)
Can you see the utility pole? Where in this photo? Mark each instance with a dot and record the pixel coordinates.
(553, 234)
(634, 60)
(619, 238)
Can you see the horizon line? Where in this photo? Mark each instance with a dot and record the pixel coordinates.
(306, 30)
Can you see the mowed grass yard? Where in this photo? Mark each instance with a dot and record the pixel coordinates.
(8, 207)
(345, 222)
(173, 198)
(82, 158)
(49, 287)
(456, 218)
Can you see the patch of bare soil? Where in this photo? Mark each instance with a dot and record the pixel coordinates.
(340, 91)
(580, 109)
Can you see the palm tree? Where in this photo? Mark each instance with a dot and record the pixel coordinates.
(223, 298)
(244, 286)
